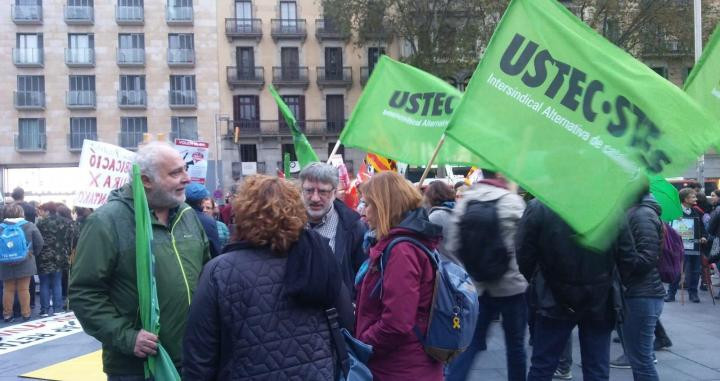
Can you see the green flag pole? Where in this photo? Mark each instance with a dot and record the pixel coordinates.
(432, 160)
(286, 165)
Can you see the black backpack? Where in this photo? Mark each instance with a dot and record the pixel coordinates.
(482, 249)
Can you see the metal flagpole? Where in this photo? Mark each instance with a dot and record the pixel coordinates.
(334, 150)
(697, 12)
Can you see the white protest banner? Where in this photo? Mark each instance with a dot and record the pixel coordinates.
(25, 335)
(195, 155)
(103, 168)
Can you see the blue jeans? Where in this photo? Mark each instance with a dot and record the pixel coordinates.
(638, 335)
(514, 320)
(51, 281)
(691, 266)
(551, 337)
(565, 362)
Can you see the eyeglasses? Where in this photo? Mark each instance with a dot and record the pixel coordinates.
(324, 193)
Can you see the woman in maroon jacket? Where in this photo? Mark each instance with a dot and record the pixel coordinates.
(387, 316)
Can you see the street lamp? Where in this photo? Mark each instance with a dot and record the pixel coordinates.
(218, 152)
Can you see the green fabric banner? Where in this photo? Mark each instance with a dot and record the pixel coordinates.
(667, 196)
(574, 119)
(402, 114)
(159, 367)
(703, 83)
(303, 150)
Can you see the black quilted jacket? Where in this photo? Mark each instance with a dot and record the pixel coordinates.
(242, 326)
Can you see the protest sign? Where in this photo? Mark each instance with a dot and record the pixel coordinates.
(103, 167)
(195, 155)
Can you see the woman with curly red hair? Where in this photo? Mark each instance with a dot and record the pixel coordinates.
(259, 309)
(388, 319)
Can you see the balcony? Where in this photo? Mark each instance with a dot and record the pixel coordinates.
(79, 15)
(29, 100)
(130, 140)
(327, 30)
(35, 142)
(666, 47)
(132, 99)
(26, 14)
(243, 29)
(181, 57)
(246, 77)
(182, 99)
(258, 129)
(80, 57)
(80, 99)
(129, 15)
(28, 57)
(130, 57)
(334, 77)
(285, 76)
(289, 29)
(75, 140)
(179, 15)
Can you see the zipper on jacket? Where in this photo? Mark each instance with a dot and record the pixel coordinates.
(177, 254)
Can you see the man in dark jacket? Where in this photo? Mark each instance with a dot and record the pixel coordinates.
(103, 286)
(569, 286)
(691, 222)
(194, 195)
(639, 248)
(333, 219)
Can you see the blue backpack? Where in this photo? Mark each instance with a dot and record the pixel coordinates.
(454, 309)
(13, 245)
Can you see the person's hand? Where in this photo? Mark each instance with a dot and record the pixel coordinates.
(145, 344)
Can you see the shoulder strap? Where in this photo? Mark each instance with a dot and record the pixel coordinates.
(385, 257)
(338, 341)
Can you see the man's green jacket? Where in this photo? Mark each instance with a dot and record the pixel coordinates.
(103, 283)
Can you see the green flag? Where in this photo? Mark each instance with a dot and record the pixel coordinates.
(574, 119)
(303, 150)
(402, 113)
(160, 366)
(286, 165)
(703, 83)
(667, 196)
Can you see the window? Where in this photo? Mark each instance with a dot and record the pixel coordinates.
(27, 10)
(29, 48)
(245, 58)
(30, 90)
(130, 3)
(80, 3)
(246, 111)
(81, 129)
(288, 17)
(288, 148)
(660, 70)
(182, 89)
(333, 64)
(296, 103)
(80, 47)
(82, 90)
(131, 48)
(31, 134)
(290, 62)
(340, 151)
(184, 127)
(373, 56)
(132, 90)
(132, 130)
(181, 41)
(248, 153)
(335, 112)
(132, 82)
(243, 10)
(131, 41)
(79, 10)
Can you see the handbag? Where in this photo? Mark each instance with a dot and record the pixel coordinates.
(352, 353)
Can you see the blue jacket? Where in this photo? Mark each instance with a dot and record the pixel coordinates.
(211, 231)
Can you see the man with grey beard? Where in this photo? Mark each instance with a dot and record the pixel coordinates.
(103, 290)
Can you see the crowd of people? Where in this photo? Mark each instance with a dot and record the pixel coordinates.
(51, 230)
(251, 290)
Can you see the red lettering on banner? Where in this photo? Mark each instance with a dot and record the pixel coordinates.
(94, 181)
